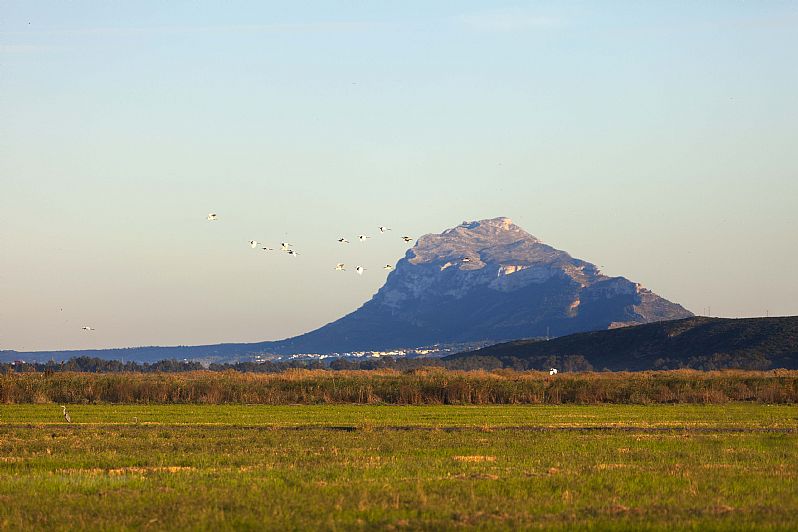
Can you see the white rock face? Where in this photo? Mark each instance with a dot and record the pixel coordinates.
(503, 257)
(509, 269)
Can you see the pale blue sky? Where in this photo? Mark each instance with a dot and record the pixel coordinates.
(656, 140)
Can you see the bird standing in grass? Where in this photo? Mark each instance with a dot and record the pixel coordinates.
(66, 415)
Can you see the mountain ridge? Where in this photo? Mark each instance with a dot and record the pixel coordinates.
(698, 342)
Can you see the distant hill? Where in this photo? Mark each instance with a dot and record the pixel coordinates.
(697, 342)
(216, 352)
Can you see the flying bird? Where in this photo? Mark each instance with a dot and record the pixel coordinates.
(292, 252)
(267, 249)
(360, 270)
(466, 259)
(342, 240)
(285, 245)
(87, 328)
(66, 415)
(362, 238)
(340, 267)
(406, 238)
(387, 267)
(382, 229)
(212, 216)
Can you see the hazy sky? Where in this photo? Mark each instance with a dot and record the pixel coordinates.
(656, 139)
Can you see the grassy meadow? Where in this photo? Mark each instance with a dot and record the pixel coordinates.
(187, 466)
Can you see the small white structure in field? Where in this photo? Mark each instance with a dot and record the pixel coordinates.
(553, 371)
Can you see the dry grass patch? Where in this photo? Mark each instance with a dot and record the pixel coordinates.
(474, 458)
(133, 470)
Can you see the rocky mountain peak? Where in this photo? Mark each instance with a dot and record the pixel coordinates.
(472, 242)
(487, 280)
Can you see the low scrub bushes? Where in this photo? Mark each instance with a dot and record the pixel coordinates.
(423, 386)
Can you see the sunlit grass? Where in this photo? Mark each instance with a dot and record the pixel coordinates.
(730, 415)
(247, 468)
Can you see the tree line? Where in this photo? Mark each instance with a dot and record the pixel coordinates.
(567, 363)
(86, 364)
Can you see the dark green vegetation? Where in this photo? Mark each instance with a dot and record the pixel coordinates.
(697, 343)
(443, 467)
(426, 386)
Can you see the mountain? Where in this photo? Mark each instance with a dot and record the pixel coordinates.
(698, 342)
(479, 282)
(487, 280)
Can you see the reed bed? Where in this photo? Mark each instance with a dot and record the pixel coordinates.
(418, 387)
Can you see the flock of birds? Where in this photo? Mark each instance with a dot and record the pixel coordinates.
(288, 248)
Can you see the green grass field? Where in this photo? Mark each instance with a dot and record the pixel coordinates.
(429, 467)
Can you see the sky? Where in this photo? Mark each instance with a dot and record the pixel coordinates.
(654, 139)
